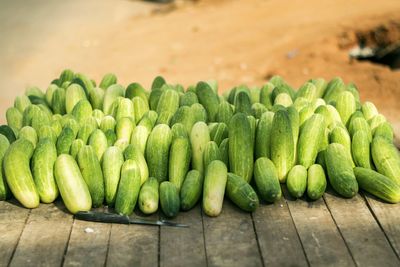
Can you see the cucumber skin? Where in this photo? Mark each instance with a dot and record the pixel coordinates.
(241, 193)
(378, 184)
(191, 190)
(149, 196)
(386, 158)
(316, 182)
(199, 137)
(4, 190)
(297, 181)
(42, 165)
(92, 174)
(179, 161)
(266, 179)
(111, 166)
(18, 174)
(340, 170)
(73, 189)
(128, 188)
(169, 199)
(214, 188)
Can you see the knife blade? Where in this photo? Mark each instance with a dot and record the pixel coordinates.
(105, 217)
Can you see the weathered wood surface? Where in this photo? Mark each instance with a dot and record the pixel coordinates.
(332, 231)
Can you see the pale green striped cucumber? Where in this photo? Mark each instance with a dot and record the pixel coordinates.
(58, 103)
(14, 118)
(168, 102)
(139, 137)
(47, 132)
(4, 190)
(112, 93)
(265, 95)
(243, 103)
(386, 158)
(111, 166)
(341, 136)
(308, 91)
(224, 112)
(199, 137)
(258, 109)
(76, 145)
(90, 168)
(376, 121)
(42, 164)
(294, 118)
(124, 108)
(296, 181)
(178, 130)
(282, 144)
(65, 140)
(185, 116)
(346, 106)
(283, 99)
(311, 137)
(157, 151)
(73, 95)
(241, 193)
(208, 99)
(333, 89)
(108, 80)
(73, 189)
(108, 123)
(165, 118)
(360, 124)
(340, 170)
(133, 153)
(263, 135)
(199, 113)
(149, 196)
(87, 128)
(82, 110)
(128, 188)
(378, 184)
(188, 99)
(316, 182)
(169, 199)
(98, 141)
(214, 188)
(28, 133)
(96, 98)
(384, 130)
(124, 128)
(136, 90)
(111, 137)
(211, 153)
(360, 148)
(369, 110)
(305, 113)
(180, 155)
(191, 189)
(140, 107)
(240, 152)
(224, 151)
(18, 174)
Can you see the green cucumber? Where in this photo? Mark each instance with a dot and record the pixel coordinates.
(241, 193)
(98, 141)
(386, 158)
(128, 188)
(149, 196)
(214, 188)
(64, 141)
(169, 199)
(316, 182)
(4, 190)
(199, 137)
(139, 137)
(179, 161)
(191, 190)
(208, 99)
(266, 179)
(296, 181)
(360, 148)
(108, 80)
(133, 153)
(111, 166)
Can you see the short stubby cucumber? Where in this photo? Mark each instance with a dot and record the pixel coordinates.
(214, 188)
(316, 182)
(73, 189)
(149, 196)
(241, 193)
(297, 181)
(169, 199)
(128, 188)
(266, 179)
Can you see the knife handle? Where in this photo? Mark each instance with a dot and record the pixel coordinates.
(102, 217)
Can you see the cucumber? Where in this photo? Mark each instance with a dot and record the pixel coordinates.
(139, 137)
(98, 141)
(108, 80)
(96, 98)
(240, 153)
(46, 132)
(224, 151)
(87, 128)
(22, 102)
(385, 130)
(128, 188)
(169, 199)
(243, 103)
(133, 153)
(64, 141)
(311, 137)
(211, 153)
(14, 118)
(42, 164)
(108, 123)
(369, 110)
(297, 181)
(191, 190)
(294, 118)
(360, 148)
(340, 170)
(282, 144)
(111, 94)
(157, 151)
(149, 196)
(76, 145)
(28, 133)
(199, 137)
(123, 109)
(184, 116)
(136, 90)
(308, 91)
(283, 99)
(199, 113)
(168, 102)
(378, 184)
(266, 180)
(82, 110)
(208, 99)
(111, 166)
(257, 109)
(386, 158)
(214, 188)
(124, 128)
(73, 189)
(4, 190)
(111, 137)
(346, 106)
(224, 113)
(179, 161)
(316, 182)
(6, 131)
(91, 172)
(341, 136)
(265, 95)
(188, 99)
(241, 193)
(359, 124)
(73, 95)
(140, 107)
(219, 133)
(333, 89)
(178, 130)
(165, 118)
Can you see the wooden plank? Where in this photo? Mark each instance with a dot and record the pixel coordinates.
(134, 245)
(322, 242)
(88, 248)
(230, 238)
(388, 217)
(360, 231)
(45, 237)
(183, 246)
(277, 236)
(12, 222)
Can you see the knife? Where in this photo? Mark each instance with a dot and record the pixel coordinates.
(105, 217)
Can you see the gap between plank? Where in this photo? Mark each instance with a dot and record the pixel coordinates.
(108, 245)
(258, 242)
(340, 232)
(204, 234)
(19, 237)
(67, 245)
(380, 225)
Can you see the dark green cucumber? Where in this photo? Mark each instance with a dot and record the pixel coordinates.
(180, 156)
(316, 182)
(169, 199)
(191, 189)
(266, 179)
(241, 193)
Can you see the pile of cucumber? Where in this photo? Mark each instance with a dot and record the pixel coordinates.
(170, 148)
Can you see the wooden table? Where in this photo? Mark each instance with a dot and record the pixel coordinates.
(332, 231)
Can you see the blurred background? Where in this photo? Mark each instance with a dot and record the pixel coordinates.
(234, 42)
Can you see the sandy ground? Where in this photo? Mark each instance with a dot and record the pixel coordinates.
(233, 42)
